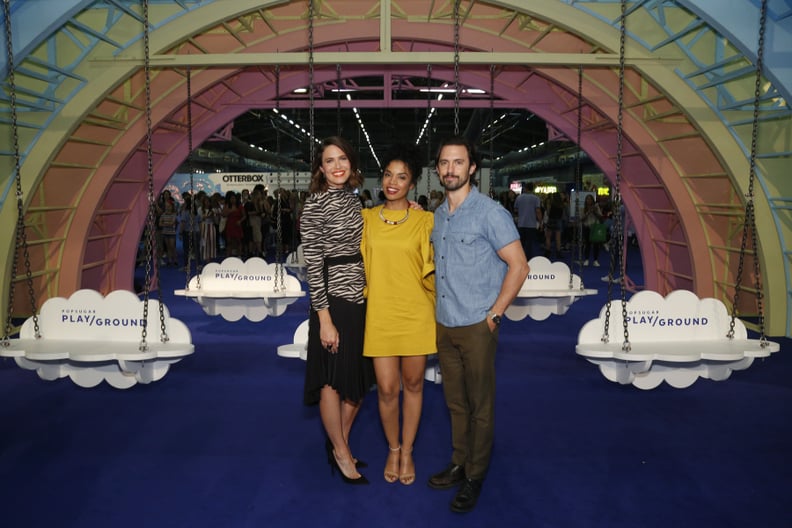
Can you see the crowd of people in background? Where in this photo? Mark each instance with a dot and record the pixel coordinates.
(240, 224)
(550, 221)
(213, 226)
(244, 224)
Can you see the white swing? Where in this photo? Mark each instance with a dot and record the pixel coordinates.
(90, 337)
(677, 338)
(252, 289)
(234, 289)
(552, 287)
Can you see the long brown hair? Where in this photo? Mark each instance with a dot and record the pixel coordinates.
(318, 180)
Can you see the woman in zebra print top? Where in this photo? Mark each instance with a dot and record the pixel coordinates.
(337, 376)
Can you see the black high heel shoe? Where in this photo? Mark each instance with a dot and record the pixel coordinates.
(359, 464)
(354, 481)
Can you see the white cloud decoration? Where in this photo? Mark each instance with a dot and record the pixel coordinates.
(677, 339)
(235, 289)
(92, 338)
(299, 346)
(546, 291)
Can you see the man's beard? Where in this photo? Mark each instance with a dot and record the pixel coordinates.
(453, 185)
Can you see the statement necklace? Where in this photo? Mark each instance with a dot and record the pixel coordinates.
(392, 222)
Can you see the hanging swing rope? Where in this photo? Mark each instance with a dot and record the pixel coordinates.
(21, 243)
(150, 245)
(750, 213)
(617, 200)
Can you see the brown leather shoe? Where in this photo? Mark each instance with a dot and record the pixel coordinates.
(448, 478)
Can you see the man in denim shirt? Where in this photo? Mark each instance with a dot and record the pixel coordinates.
(479, 269)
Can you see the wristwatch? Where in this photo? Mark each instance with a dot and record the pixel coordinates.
(495, 318)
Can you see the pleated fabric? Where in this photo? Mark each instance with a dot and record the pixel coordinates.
(346, 371)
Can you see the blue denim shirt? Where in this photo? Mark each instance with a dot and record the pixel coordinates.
(468, 271)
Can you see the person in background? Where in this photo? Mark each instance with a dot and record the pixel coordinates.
(480, 267)
(435, 197)
(400, 325)
(366, 199)
(555, 225)
(234, 213)
(590, 217)
(168, 224)
(284, 201)
(255, 210)
(189, 230)
(528, 208)
(337, 376)
(208, 216)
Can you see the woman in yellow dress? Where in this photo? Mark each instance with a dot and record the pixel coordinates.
(400, 316)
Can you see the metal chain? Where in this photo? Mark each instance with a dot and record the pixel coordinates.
(578, 184)
(428, 127)
(150, 244)
(456, 67)
(338, 100)
(617, 202)
(21, 233)
(193, 205)
(311, 124)
(750, 211)
(492, 132)
(279, 280)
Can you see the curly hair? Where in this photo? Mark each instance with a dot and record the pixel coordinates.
(407, 154)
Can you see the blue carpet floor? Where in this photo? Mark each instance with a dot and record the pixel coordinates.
(224, 441)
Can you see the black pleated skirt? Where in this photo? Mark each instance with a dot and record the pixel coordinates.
(347, 371)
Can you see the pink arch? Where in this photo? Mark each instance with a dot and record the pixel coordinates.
(652, 190)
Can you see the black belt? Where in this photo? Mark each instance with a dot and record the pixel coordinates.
(341, 259)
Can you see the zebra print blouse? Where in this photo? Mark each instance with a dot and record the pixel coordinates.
(331, 226)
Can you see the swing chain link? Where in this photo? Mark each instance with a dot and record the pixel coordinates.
(311, 124)
(150, 244)
(621, 221)
(750, 211)
(617, 200)
(193, 205)
(21, 233)
(428, 127)
(150, 227)
(339, 128)
(278, 284)
(492, 133)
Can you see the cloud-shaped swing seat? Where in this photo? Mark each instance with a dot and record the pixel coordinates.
(92, 338)
(676, 339)
(546, 291)
(235, 289)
